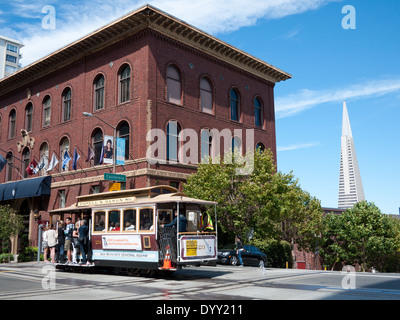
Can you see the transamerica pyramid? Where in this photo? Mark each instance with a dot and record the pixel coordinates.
(350, 186)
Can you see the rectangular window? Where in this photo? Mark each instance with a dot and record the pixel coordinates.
(129, 218)
(165, 216)
(9, 70)
(146, 219)
(12, 48)
(174, 184)
(62, 198)
(11, 59)
(99, 221)
(95, 189)
(114, 221)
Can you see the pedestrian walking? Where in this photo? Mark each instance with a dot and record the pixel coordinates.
(239, 249)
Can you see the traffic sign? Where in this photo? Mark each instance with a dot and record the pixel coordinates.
(114, 186)
(115, 177)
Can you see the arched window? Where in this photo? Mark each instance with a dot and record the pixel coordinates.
(124, 84)
(28, 117)
(173, 130)
(258, 111)
(235, 105)
(44, 157)
(206, 145)
(11, 125)
(123, 132)
(174, 85)
(260, 147)
(10, 165)
(25, 162)
(206, 95)
(46, 111)
(97, 143)
(66, 104)
(64, 146)
(99, 92)
(236, 145)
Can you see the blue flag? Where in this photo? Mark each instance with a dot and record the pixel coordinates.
(75, 160)
(3, 162)
(67, 159)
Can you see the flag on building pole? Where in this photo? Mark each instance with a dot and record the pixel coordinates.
(75, 159)
(3, 162)
(101, 155)
(90, 155)
(67, 159)
(39, 167)
(31, 167)
(53, 162)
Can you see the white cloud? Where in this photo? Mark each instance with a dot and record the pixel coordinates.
(305, 99)
(78, 18)
(298, 146)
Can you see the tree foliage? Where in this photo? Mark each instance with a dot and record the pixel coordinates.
(263, 203)
(10, 223)
(362, 235)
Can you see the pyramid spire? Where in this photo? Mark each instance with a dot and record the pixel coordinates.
(346, 129)
(350, 186)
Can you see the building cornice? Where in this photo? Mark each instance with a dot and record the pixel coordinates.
(130, 24)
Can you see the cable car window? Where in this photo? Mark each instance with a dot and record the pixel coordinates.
(146, 219)
(99, 221)
(114, 220)
(129, 220)
(165, 216)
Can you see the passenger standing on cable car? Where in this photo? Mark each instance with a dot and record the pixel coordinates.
(182, 222)
(83, 238)
(68, 238)
(60, 242)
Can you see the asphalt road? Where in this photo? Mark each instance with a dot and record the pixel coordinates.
(32, 281)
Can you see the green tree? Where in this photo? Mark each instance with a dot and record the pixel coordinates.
(10, 223)
(263, 203)
(362, 235)
(300, 218)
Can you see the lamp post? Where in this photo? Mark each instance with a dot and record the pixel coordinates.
(88, 114)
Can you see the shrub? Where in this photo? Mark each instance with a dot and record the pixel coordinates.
(6, 257)
(278, 252)
(29, 254)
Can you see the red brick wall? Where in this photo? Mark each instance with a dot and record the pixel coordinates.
(148, 53)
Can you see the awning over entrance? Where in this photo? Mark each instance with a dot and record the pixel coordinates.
(25, 188)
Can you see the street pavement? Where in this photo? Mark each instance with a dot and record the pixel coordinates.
(33, 281)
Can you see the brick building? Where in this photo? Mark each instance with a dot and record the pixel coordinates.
(146, 70)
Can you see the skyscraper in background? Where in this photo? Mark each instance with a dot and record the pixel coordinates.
(350, 186)
(9, 56)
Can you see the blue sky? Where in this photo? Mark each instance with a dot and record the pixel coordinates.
(305, 38)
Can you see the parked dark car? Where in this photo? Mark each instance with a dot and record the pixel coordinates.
(252, 256)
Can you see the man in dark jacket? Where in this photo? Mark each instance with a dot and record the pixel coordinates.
(83, 238)
(182, 222)
(60, 242)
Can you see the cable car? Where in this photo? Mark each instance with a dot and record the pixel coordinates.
(155, 228)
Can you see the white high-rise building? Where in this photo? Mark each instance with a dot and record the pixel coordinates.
(9, 56)
(350, 186)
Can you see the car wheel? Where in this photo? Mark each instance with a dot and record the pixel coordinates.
(234, 261)
(261, 264)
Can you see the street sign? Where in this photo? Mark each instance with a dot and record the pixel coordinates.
(115, 177)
